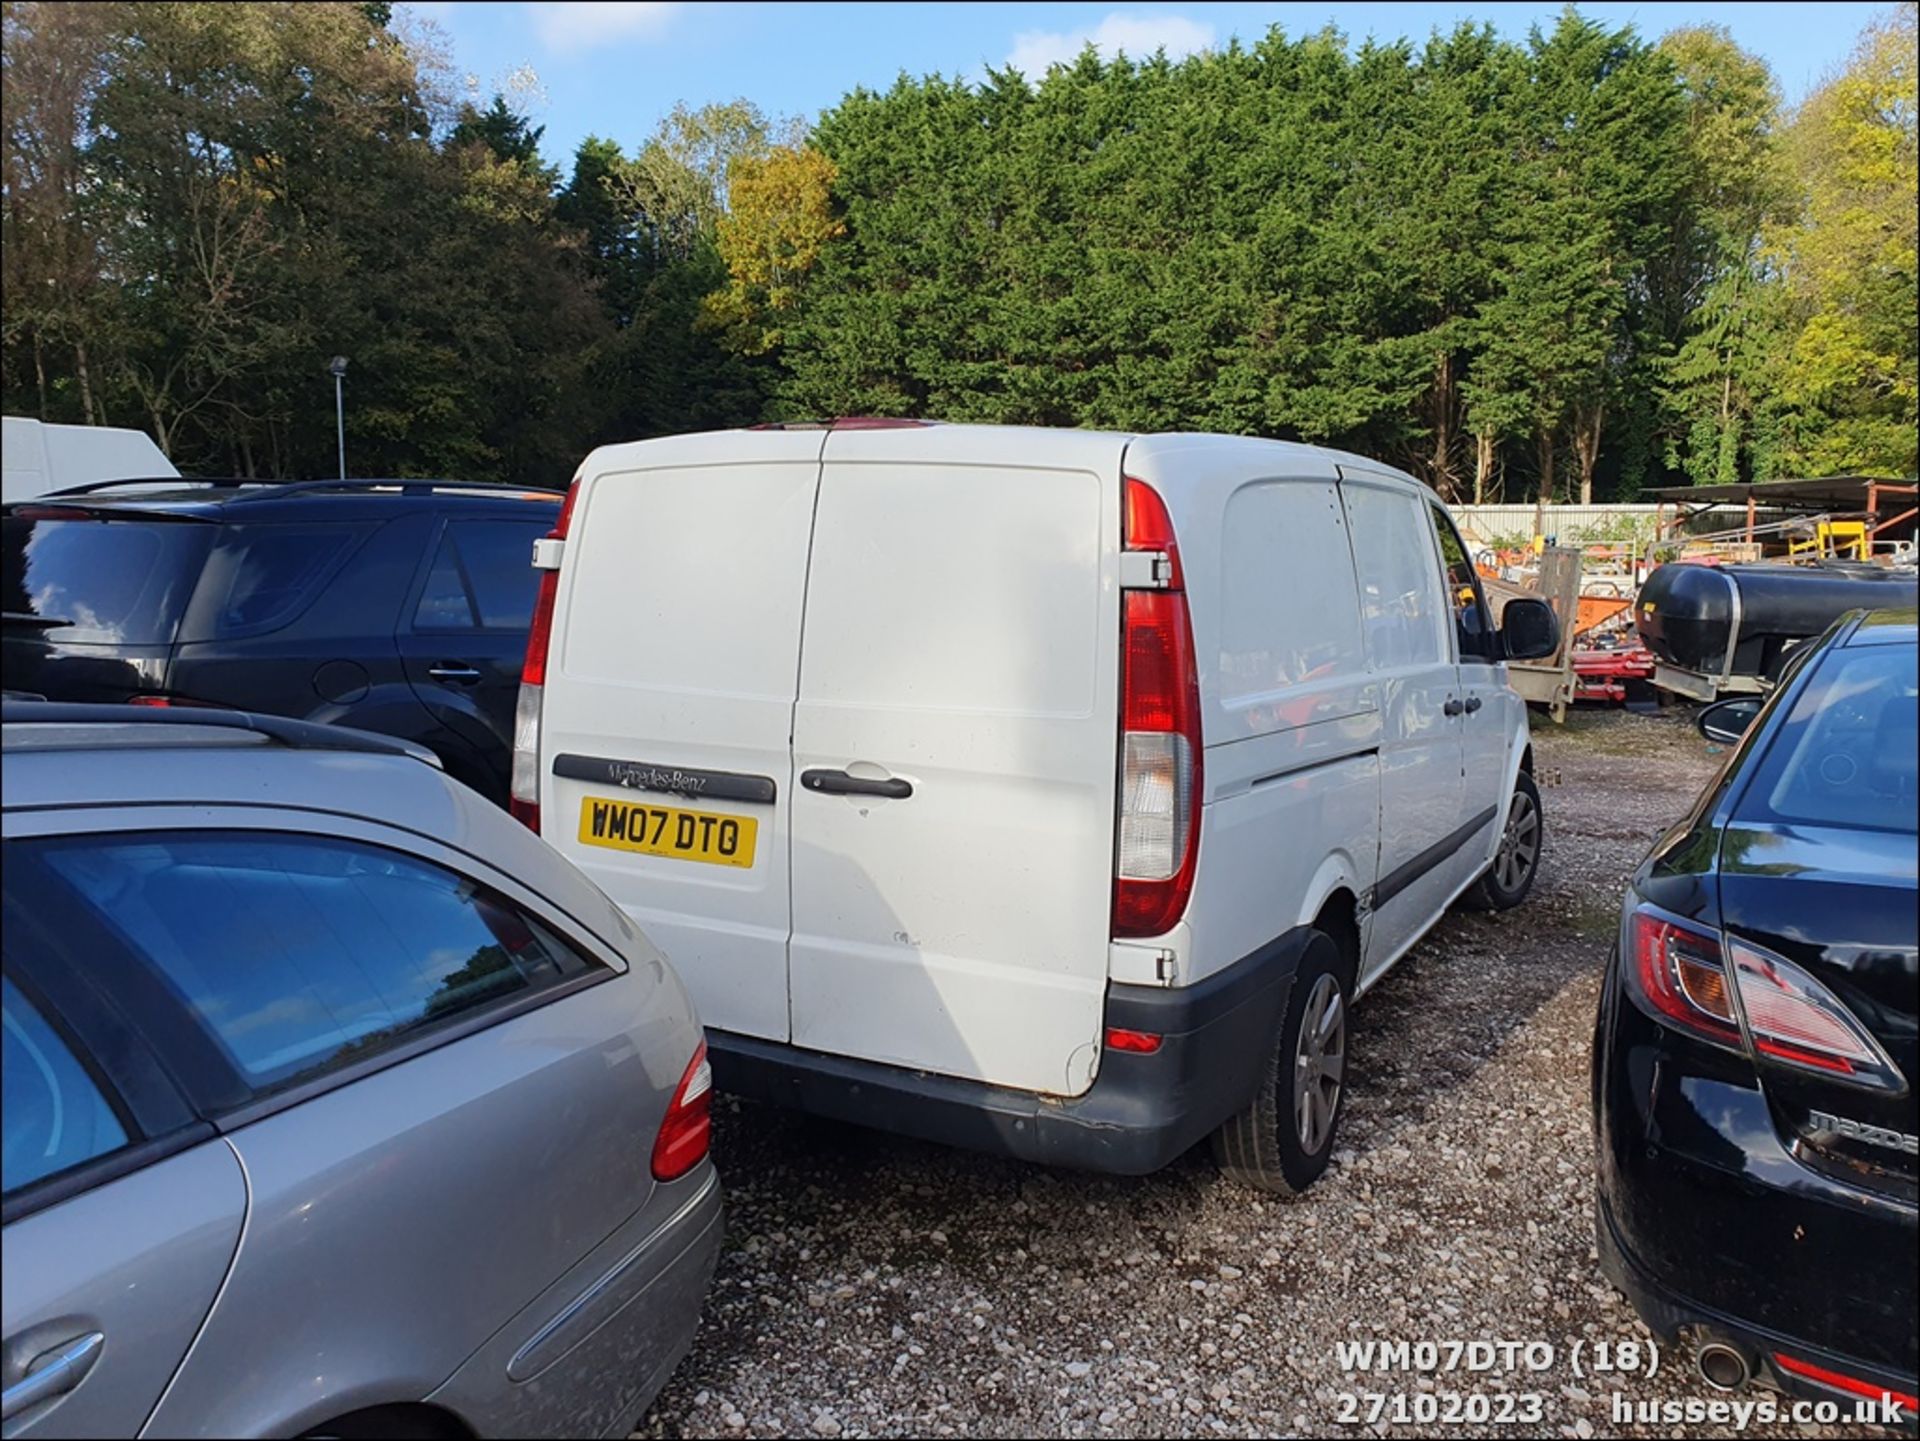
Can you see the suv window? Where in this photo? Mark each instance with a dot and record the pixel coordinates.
(482, 576)
(79, 576)
(302, 954)
(1472, 622)
(56, 1116)
(260, 577)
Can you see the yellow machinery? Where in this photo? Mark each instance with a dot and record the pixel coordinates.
(1831, 537)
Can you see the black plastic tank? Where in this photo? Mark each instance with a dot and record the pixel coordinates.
(1692, 615)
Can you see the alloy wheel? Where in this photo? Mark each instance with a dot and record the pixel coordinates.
(1319, 1064)
(1520, 846)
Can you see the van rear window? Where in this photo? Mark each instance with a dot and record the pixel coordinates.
(80, 578)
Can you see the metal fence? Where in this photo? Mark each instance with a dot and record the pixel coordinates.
(1582, 524)
(1568, 522)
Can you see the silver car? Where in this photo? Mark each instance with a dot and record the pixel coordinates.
(335, 1101)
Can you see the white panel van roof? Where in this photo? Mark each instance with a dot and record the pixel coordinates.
(39, 457)
(1152, 456)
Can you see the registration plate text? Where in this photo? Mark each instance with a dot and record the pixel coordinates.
(681, 835)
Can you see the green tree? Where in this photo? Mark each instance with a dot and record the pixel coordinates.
(1721, 303)
(1848, 386)
(507, 134)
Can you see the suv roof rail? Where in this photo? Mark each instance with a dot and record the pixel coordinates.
(268, 489)
(405, 487)
(93, 487)
(300, 735)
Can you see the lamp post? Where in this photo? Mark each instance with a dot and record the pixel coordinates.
(338, 368)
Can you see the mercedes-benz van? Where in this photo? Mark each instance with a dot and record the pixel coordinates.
(1048, 792)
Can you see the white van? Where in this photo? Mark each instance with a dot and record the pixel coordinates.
(37, 458)
(1047, 792)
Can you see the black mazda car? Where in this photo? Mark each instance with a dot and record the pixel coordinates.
(1754, 1059)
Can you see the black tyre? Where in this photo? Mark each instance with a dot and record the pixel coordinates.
(389, 1423)
(1517, 861)
(1283, 1140)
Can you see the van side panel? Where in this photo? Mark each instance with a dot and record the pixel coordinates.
(1291, 709)
(962, 637)
(676, 647)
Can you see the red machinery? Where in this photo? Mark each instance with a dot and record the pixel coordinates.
(1602, 672)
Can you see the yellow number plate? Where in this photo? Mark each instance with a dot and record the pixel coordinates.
(719, 840)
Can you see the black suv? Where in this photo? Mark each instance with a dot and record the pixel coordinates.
(395, 606)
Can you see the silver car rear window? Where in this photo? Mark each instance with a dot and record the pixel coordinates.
(302, 954)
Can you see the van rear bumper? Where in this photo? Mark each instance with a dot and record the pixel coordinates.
(1141, 1112)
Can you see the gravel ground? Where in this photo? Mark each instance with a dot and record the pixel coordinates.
(878, 1286)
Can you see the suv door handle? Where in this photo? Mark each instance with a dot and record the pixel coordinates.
(455, 671)
(1453, 707)
(839, 783)
(56, 1378)
(1473, 704)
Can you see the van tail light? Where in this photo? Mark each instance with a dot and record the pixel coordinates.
(523, 798)
(1158, 825)
(687, 1130)
(1681, 970)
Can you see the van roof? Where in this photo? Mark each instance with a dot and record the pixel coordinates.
(1030, 445)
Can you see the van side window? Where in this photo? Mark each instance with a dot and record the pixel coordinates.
(1290, 615)
(1402, 609)
(303, 954)
(1472, 621)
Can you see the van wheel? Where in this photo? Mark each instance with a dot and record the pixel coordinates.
(1282, 1142)
(1507, 881)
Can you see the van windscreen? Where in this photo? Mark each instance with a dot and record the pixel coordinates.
(80, 577)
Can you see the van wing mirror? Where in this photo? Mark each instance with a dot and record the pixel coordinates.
(1726, 721)
(1529, 629)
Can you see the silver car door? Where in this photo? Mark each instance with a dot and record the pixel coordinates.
(115, 1242)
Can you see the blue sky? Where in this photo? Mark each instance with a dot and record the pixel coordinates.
(615, 68)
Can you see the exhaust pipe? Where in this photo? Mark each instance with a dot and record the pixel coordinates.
(1722, 1367)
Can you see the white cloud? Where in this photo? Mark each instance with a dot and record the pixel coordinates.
(570, 26)
(1137, 35)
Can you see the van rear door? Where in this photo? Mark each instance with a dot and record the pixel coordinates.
(664, 745)
(954, 753)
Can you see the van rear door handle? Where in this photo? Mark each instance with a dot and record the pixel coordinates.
(59, 1376)
(454, 670)
(1453, 707)
(839, 783)
(1473, 704)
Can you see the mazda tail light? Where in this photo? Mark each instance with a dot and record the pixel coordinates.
(1741, 996)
